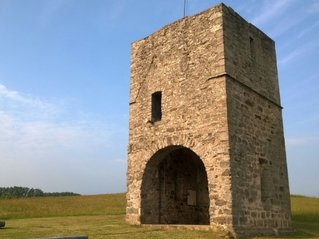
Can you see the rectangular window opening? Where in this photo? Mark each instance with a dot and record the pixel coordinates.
(156, 106)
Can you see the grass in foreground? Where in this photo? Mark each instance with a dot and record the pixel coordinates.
(102, 216)
(112, 204)
(305, 215)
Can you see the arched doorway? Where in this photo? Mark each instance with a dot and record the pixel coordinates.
(175, 188)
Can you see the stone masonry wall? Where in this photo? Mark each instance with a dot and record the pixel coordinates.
(220, 99)
(179, 60)
(250, 55)
(259, 171)
(261, 200)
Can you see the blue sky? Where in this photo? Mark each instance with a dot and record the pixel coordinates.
(64, 86)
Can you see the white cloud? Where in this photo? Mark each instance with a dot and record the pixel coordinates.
(40, 151)
(15, 96)
(34, 124)
(14, 102)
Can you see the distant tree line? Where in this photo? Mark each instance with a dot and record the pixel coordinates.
(25, 192)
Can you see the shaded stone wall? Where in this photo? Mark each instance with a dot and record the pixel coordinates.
(259, 172)
(220, 99)
(250, 55)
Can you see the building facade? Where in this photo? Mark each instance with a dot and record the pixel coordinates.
(206, 142)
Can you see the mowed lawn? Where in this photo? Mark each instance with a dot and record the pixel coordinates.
(103, 216)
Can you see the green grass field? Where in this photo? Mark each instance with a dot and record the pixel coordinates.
(102, 216)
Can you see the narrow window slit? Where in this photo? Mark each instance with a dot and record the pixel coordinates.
(156, 106)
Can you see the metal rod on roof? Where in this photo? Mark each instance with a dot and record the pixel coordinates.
(185, 3)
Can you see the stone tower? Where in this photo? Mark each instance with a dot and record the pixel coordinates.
(206, 143)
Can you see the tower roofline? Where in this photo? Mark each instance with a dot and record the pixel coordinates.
(223, 7)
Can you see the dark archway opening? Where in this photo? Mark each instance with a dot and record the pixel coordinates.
(175, 188)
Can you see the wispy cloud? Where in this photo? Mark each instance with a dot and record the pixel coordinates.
(302, 141)
(299, 24)
(271, 10)
(308, 29)
(298, 52)
(25, 106)
(36, 123)
(15, 96)
(29, 141)
(314, 7)
(285, 26)
(291, 56)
